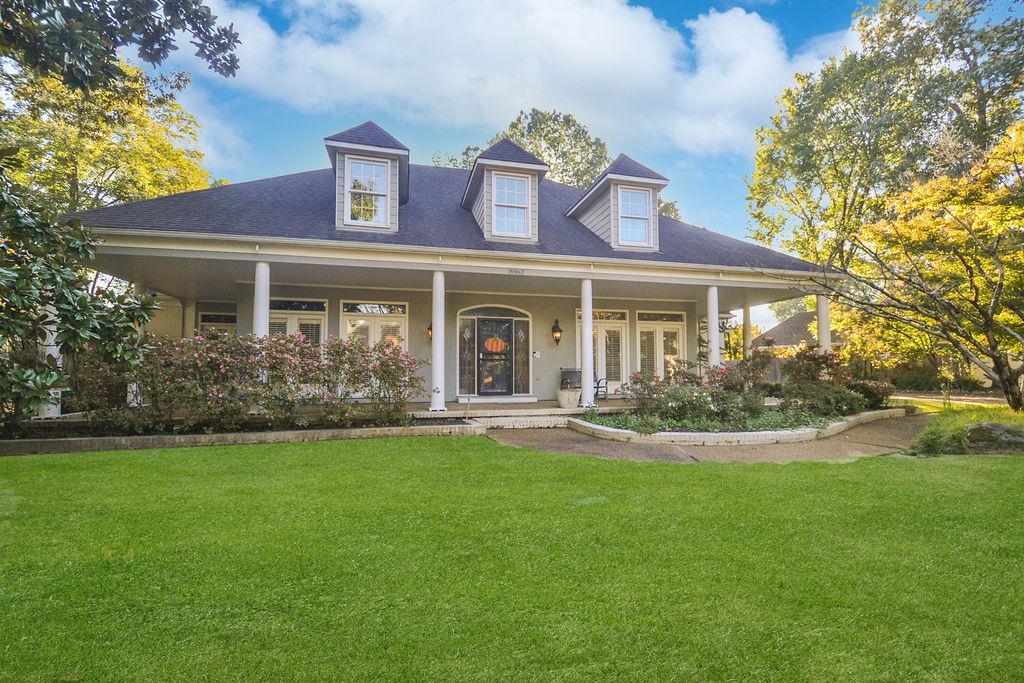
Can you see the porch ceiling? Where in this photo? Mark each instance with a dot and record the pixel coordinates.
(219, 280)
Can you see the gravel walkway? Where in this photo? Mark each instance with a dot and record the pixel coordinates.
(875, 438)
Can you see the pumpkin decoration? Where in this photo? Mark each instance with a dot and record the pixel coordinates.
(495, 344)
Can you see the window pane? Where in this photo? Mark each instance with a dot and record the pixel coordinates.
(509, 220)
(510, 190)
(358, 328)
(294, 305)
(634, 203)
(223, 318)
(493, 312)
(371, 308)
(633, 230)
(311, 331)
(467, 356)
(278, 327)
(521, 347)
(648, 352)
(670, 341)
(660, 317)
(391, 332)
(613, 355)
(367, 208)
(368, 176)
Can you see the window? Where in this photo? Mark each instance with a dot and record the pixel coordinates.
(375, 322)
(366, 191)
(610, 331)
(634, 216)
(307, 317)
(661, 342)
(223, 323)
(511, 205)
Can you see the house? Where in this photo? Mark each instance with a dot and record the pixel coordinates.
(496, 275)
(793, 332)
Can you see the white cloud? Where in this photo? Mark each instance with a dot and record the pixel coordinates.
(219, 141)
(631, 77)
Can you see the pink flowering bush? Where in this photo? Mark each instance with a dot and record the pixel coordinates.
(647, 392)
(394, 381)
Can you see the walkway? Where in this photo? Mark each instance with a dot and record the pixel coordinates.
(875, 438)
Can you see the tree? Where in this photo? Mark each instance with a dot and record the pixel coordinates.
(78, 42)
(948, 262)
(42, 261)
(126, 141)
(931, 89)
(783, 310)
(574, 156)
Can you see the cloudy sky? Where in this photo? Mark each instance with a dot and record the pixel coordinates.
(680, 86)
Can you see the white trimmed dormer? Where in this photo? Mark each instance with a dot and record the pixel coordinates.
(503, 191)
(372, 178)
(621, 207)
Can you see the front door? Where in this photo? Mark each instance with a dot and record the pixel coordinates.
(494, 357)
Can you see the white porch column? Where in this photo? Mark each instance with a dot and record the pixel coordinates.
(587, 343)
(50, 348)
(714, 335)
(824, 325)
(437, 344)
(261, 300)
(188, 317)
(746, 330)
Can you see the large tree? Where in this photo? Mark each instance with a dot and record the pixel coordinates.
(43, 261)
(125, 141)
(931, 88)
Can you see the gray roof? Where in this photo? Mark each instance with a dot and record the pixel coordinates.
(623, 165)
(506, 150)
(302, 206)
(793, 331)
(369, 134)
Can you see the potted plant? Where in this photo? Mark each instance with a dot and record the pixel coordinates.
(570, 392)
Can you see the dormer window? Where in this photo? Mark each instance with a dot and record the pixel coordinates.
(511, 205)
(634, 216)
(366, 191)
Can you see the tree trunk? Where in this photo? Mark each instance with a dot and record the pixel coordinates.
(1009, 384)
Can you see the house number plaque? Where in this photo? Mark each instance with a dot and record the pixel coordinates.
(517, 271)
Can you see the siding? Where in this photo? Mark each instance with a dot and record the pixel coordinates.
(482, 207)
(339, 204)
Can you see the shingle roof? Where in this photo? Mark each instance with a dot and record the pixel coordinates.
(793, 331)
(369, 134)
(623, 165)
(302, 206)
(506, 150)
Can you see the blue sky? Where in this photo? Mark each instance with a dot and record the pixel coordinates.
(680, 86)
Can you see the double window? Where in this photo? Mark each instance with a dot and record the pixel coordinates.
(634, 216)
(367, 183)
(511, 205)
(302, 316)
(374, 322)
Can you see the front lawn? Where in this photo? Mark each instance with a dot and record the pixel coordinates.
(457, 558)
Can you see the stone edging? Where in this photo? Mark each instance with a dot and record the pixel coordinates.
(734, 438)
(112, 443)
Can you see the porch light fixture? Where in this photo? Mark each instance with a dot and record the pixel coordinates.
(430, 331)
(556, 332)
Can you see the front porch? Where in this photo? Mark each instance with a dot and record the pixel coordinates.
(497, 331)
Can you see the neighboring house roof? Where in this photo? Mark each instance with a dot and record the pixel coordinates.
(302, 207)
(623, 165)
(506, 150)
(369, 134)
(793, 331)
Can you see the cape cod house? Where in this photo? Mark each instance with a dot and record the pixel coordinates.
(496, 275)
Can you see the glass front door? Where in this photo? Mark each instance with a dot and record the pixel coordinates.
(494, 357)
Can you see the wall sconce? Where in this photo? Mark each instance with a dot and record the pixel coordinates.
(430, 331)
(556, 332)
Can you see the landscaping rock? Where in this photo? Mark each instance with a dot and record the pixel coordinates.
(994, 437)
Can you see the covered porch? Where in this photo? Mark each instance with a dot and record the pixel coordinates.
(496, 330)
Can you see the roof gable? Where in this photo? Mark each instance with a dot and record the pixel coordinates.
(368, 134)
(506, 150)
(625, 166)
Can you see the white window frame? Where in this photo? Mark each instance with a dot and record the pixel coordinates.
(657, 325)
(495, 204)
(348, 220)
(293, 318)
(403, 319)
(649, 217)
(621, 325)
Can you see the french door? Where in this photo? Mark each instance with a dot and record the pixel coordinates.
(660, 347)
(374, 329)
(311, 327)
(609, 352)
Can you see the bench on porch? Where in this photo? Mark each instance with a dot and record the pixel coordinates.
(572, 378)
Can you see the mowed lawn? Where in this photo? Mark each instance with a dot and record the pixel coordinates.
(457, 558)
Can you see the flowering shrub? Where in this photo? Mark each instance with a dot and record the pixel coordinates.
(221, 382)
(646, 391)
(809, 365)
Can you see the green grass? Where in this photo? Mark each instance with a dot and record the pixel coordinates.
(457, 558)
(946, 431)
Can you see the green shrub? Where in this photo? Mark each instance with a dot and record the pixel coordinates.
(647, 392)
(822, 399)
(809, 365)
(875, 392)
(946, 432)
(967, 384)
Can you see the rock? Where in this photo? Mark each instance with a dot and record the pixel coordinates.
(995, 437)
